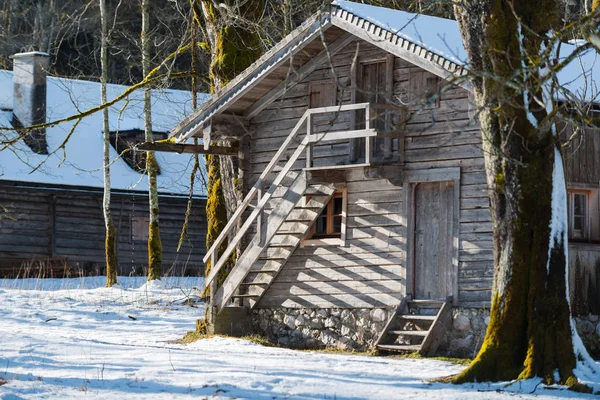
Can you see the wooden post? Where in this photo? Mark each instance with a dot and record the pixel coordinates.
(367, 139)
(213, 290)
(309, 148)
(402, 136)
(259, 217)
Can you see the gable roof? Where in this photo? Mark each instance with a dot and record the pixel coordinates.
(80, 165)
(432, 43)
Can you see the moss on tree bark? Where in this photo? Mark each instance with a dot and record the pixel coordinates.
(529, 334)
(110, 248)
(231, 36)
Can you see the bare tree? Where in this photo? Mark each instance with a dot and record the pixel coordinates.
(111, 243)
(154, 242)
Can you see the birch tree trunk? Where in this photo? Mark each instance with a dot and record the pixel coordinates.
(531, 333)
(110, 246)
(154, 242)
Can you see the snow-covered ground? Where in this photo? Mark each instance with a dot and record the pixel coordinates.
(72, 338)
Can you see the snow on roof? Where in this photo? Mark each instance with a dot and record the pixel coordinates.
(82, 164)
(442, 37)
(438, 35)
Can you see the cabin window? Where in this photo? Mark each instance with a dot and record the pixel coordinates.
(330, 225)
(423, 86)
(322, 95)
(578, 202)
(139, 228)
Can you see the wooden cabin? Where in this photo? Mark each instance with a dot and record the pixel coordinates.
(51, 218)
(367, 212)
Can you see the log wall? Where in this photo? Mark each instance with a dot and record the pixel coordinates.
(64, 223)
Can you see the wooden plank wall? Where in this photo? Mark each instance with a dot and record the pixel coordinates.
(582, 156)
(367, 272)
(584, 278)
(57, 223)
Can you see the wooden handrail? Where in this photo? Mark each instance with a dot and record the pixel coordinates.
(258, 187)
(254, 190)
(259, 208)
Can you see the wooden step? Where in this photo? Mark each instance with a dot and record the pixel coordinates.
(408, 333)
(245, 296)
(399, 347)
(426, 303)
(254, 284)
(282, 245)
(263, 271)
(302, 215)
(316, 193)
(272, 258)
(411, 317)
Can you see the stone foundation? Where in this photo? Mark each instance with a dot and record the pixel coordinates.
(469, 326)
(358, 329)
(347, 329)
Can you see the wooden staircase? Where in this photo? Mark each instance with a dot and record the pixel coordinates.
(280, 212)
(416, 325)
(283, 244)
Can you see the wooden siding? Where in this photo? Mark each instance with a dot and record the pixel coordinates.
(582, 156)
(584, 278)
(438, 137)
(368, 271)
(61, 223)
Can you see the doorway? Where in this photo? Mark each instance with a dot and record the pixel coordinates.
(433, 239)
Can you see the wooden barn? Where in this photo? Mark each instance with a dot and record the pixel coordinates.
(51, 219)
(367, 215)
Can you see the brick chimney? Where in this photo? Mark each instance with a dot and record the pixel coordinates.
(29, 100)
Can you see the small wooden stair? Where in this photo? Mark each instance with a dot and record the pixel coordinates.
(416, 325)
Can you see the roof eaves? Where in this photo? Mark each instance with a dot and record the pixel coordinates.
(392, 42)
(277, 55)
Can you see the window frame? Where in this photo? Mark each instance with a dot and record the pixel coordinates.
(585, 236)
(315, 85)
(357, 146)
(420, 90)
(311, 240)
(141, 220)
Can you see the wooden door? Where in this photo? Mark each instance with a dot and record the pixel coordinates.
(433, 238)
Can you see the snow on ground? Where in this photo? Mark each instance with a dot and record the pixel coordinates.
(73, 338)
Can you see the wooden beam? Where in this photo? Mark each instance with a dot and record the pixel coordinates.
(301, 73)
(187, 148)
(329, 136)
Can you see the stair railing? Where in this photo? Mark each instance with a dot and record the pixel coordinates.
(257, 191)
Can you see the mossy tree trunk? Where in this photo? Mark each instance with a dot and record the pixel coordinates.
(530, 333)
(154, 242)
(231, 35)
(110, 246)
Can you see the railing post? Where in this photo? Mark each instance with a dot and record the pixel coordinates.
(259, 217)
(368, 139)
(309, 149)
(213, 289)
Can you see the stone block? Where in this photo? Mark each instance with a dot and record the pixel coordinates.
(585, 327)
(461, 323)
